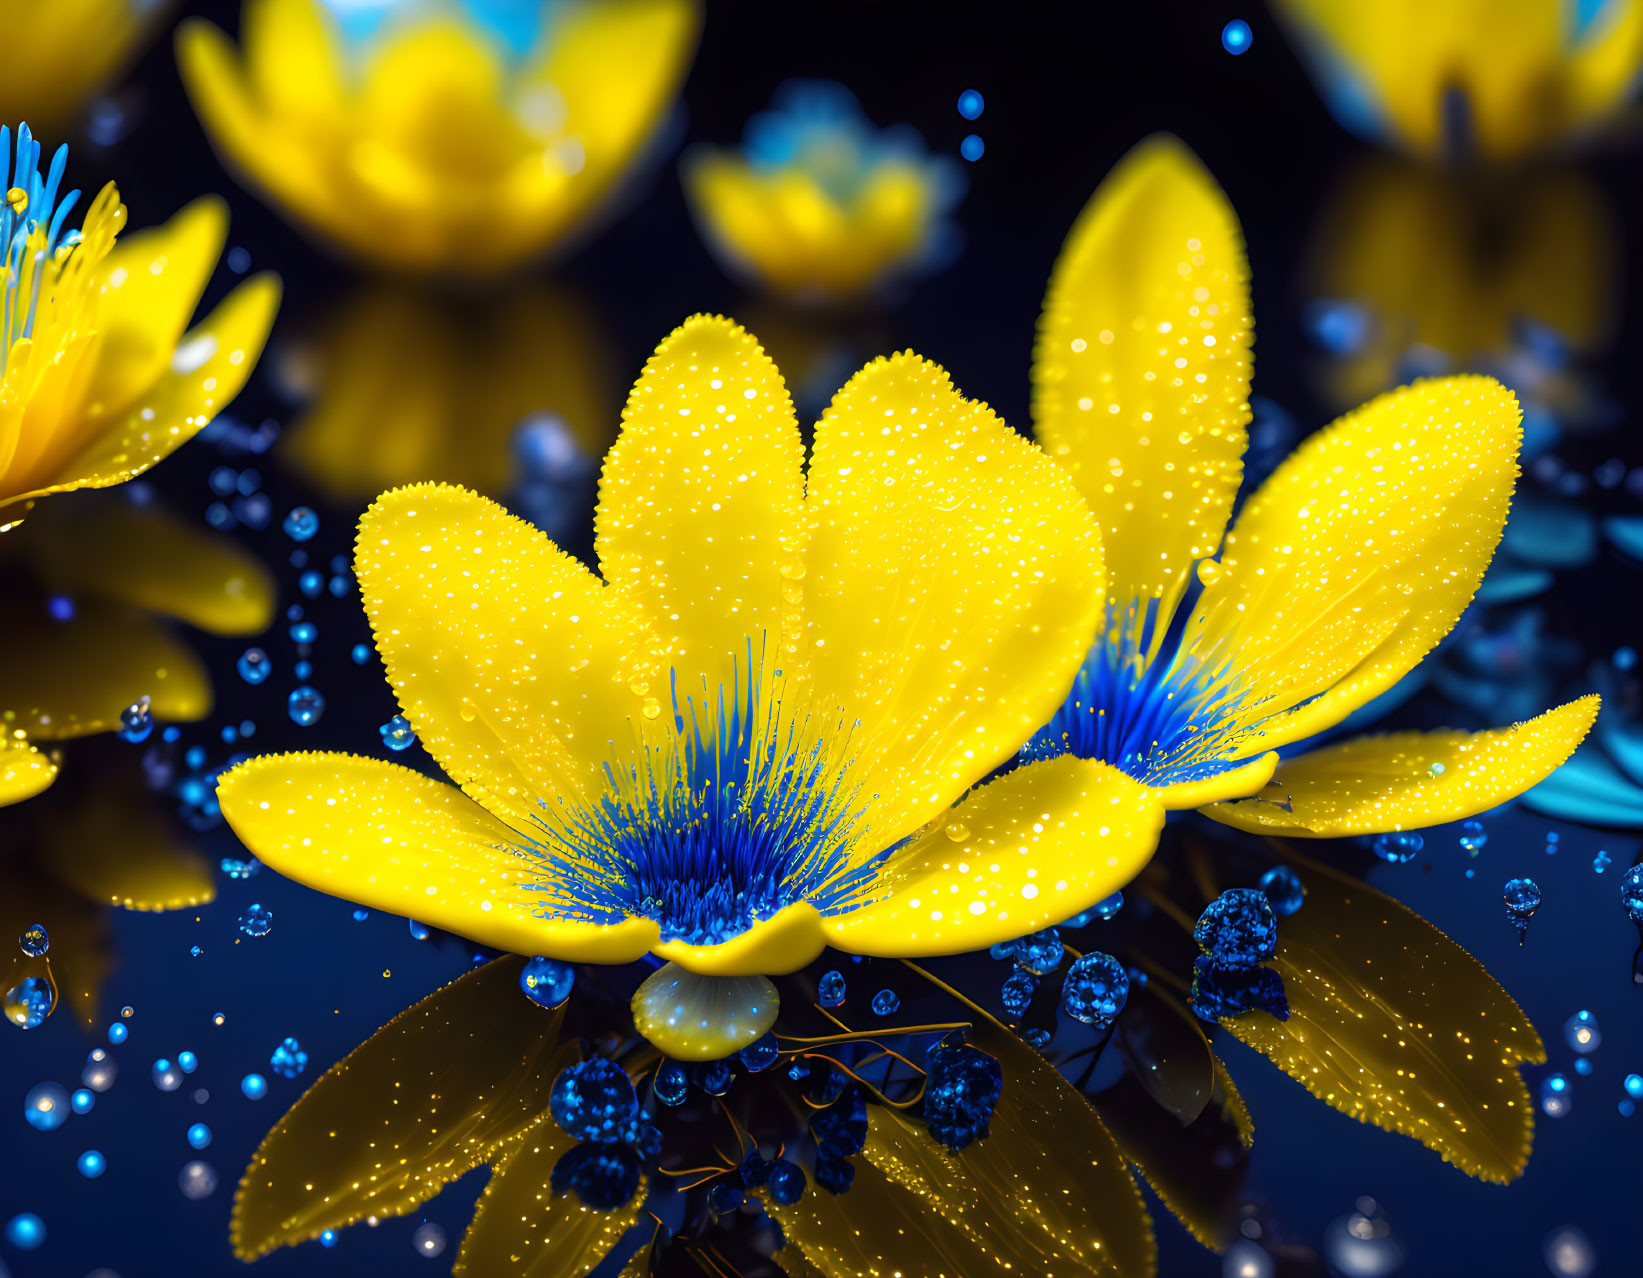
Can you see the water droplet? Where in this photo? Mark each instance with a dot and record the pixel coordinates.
(304, 632)
(885, 1003)
(1522, 897)
(672, 1083)
(419, 931)
(1556, 1099)
(255, 1086)
(1581, 1033)
(972, 148)
(187, 1062)
(397, 733)
(167, 1077)
(199, 1136)
(25, 1231)
(100, 1070)
(593, 1100)
(137, 721)
(288, 1060)
(1361, 1245)
(305, 705)
(1568, 1253)
(197, 1180)
(29, 1002)
(1236, 37)
(34, 941)
(301, 524)
(83, 1101)
(1284, 891)
(237, 869)
(1096, 989)
(830, 989)
(1209, 572)
(1601, 861)
(117, 1033)
(429, 1240)
(361, 653)
(1017, 993)
(46, 1107)
(1398, 847)
(1040, 953)
(91, 1164)
(970, 104)
(1631, 893)
(651, 709)
(1472, 836)
(257, 920)
(547, 982)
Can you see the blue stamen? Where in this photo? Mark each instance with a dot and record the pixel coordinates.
(715, 831)
(20, 297)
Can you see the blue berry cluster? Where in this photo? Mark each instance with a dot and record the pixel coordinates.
(1236, 935)
(594, 1101)
(962, 1087)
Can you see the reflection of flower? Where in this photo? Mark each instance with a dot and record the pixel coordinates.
(97, 385)
(66, 859)
(59, 54)
(85, 583)
(818, 206)
(1356, 556)
(743, 745)
(1471, 77)
(455, 377)
(426, 144)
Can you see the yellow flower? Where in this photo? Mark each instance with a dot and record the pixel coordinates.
(747, 741)
(456, 376)
(1471, 78)
(818, 207)
(1340, 573)
(58, 54)
(99, 380)
(87, 583)
(426, 148)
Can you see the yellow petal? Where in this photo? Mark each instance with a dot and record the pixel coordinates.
(207, 370)
(699, 508)
(782, 943)
(1235, 783)
(1021, 853)
(952, 584)
(1359, 554)
(1409, 780)
(1142, 367)
(430, 1096)
(1393, 1023)
(392, 839)
(62, 679)
(120, 851)
(521, 1227)
(24, 771)
(518, 668)
(152, 281)
(1047, 1192)
(293, 57)
(146, 557)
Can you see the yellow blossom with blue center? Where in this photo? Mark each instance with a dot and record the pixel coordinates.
(98, 380)
(819, 206)
(1224, 648)
(437, 136)
(1466, 80)
(765, 729)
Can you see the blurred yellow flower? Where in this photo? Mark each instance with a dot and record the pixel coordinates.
(97, 379)
(1488, 79)
(423, 145)
(818, 206)
(456, 376)
(60, 52)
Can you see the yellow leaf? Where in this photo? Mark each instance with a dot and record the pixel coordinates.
(1393, 1023)
(1047, 1193)
(522, 1228)
(429, 1096)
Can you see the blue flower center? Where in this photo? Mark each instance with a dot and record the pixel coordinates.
(31, 230)
(724, 828)
(1166, 720)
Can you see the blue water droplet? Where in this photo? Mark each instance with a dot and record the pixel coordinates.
(1473, 837)
(137, 721)
(361, 915)
(254, 665)
(1284, 891)
(830, 989)
(1236, 37)
(237, 869)
(419, 931)
(288, 1060)
(255, 1086)
(167, 1077)
(91, 1164)
(311, 583)
(1634, 1086)
(397, 733)
(1398, 847)
(1017, 993)
(1108, 907)
(35, 940)
(117, 1033)
(1581, 1032)
(761, 1053)
(29, 1002)
(1631, 893)
(593, 1100)
(1601, 861)
(1555, 1097)
(187, 1062)
(257, 920)
(301, 524)
(1041, 953)
(971, 105)
(305, 705)
(83, 1101)
(25, 1231)
(1238, 930)
(547, 981)
(199, 1136)
(361, 653)
(972, 148)
(672, 1083)
(46, 1107)
(885, 1003)
(1096, 989)
(61, 608)
(304, 632)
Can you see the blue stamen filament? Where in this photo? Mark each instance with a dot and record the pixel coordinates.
(713, 832)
